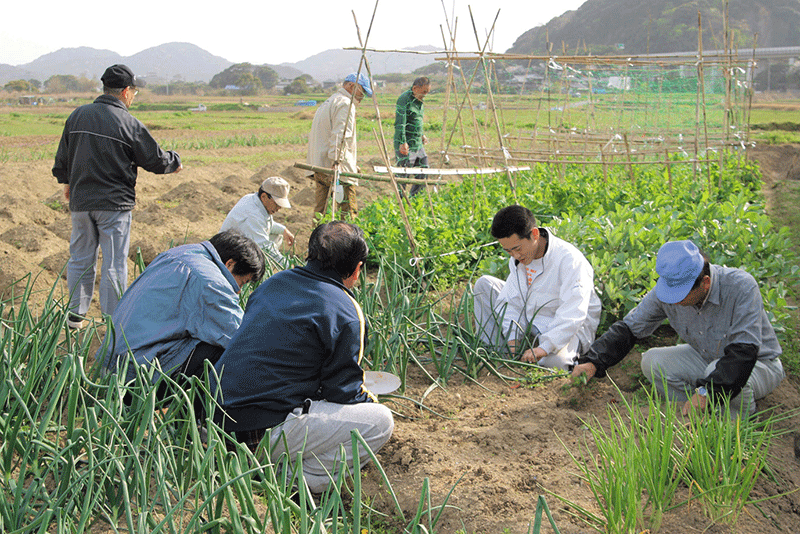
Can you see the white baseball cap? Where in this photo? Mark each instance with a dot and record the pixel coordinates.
(278, 189)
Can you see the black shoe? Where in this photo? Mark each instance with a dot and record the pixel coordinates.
(74, 321)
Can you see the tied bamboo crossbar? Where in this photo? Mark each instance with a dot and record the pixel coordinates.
(411, 170)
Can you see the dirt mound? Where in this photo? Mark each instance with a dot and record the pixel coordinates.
(780, 162)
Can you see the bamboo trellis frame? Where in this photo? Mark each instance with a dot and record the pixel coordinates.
(550, 143)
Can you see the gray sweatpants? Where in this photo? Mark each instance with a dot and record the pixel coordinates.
(92, 231)
(682, 367)
(321, 433)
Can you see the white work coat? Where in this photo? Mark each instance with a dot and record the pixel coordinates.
(561, 300)
(335, 119)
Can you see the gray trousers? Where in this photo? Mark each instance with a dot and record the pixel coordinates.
(682, 366)
(92, 231)
(322, 432)
(413, 159)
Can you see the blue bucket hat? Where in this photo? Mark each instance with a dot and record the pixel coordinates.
(678, 265)
(363, 81)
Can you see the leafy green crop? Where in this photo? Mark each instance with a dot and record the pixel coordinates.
(619, 223)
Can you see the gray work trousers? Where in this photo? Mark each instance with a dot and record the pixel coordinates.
(682, 366)
(91, 232)
(322, 432)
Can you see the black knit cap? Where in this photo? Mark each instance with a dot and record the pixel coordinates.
(119, 76)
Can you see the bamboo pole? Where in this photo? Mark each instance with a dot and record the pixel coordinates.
(567, 148)
(334, 185)
(750, 91)
(612, 162)
(628, 155)
(364, 176)
(467, 98)
(702, 85)
(381, 141)
(450, 87)
(727, 75)
(669, 170)
(490, 96)
(605, 167)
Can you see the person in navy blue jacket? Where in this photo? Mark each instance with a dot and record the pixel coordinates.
(293, 369)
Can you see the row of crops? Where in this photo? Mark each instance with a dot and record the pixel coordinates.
(617, 220)
(74, 457)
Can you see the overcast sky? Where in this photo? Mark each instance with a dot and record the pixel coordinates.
(266, 31)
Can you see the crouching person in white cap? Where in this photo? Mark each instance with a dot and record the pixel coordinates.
(730, 348)
(252, 217)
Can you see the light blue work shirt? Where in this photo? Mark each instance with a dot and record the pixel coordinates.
(185, 296)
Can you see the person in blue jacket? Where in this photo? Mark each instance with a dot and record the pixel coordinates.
(293, 369)
(184, 307)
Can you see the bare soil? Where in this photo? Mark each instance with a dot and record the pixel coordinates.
(499, 444)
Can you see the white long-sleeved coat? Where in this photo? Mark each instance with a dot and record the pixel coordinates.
(561, 301)
(335, 118)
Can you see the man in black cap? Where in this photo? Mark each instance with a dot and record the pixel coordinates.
(97, 161)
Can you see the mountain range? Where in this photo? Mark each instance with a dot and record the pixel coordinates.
(662, 26)
(597, 27)
(190, 63)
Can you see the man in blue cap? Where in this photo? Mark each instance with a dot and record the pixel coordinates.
(332, 142)
(730, 349)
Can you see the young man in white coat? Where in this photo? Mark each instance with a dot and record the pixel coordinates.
(547, 311)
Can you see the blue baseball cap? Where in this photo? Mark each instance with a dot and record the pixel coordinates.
(363, 81)
(678, 265)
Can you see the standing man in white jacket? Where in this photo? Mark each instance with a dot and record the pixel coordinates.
(547, 311)
(332, 142)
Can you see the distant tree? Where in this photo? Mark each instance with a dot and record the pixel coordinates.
(66, 83)
(21, 86)
(248, 84)
(87, 85)
(231, 75)
(36, 84)
(61, 83)
(297, 87)
(267, 76)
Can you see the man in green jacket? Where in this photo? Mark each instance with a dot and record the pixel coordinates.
(409, 140)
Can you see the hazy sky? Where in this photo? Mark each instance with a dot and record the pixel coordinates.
(267, 31)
